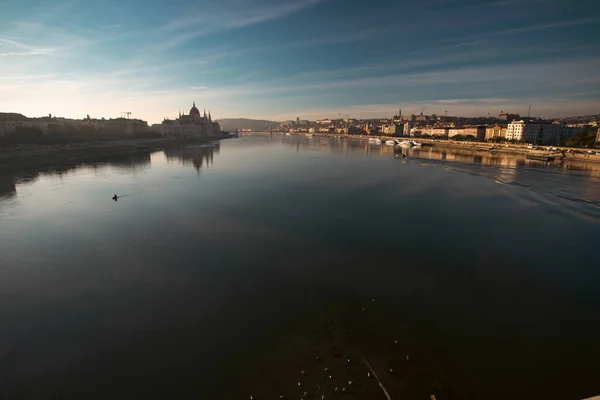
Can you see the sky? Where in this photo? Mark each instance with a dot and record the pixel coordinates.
(279, 59)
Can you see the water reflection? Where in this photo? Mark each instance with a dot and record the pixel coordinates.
(339, 145)
(7, 187)
(13, 175)
(503, 168)
(194, 156)
(496, 159)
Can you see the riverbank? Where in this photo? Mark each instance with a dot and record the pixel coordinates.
(561, 153)
(38, 155)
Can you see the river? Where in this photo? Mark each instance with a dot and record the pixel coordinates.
(211, 253)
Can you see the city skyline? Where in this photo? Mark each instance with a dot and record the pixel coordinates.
(310, 58)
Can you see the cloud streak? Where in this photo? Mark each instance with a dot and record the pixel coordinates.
(229, 15)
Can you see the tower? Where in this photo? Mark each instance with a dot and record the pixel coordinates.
(209, 117)
(297, 121)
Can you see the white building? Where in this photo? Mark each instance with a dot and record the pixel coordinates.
(534, 132)
(192, 125)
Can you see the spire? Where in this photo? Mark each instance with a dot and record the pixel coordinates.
(209, 117)
(205, 113)
(194, 103)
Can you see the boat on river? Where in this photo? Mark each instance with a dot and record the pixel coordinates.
(390, 142)
(540, 157)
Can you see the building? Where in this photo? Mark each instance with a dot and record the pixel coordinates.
(126, 125)
(551, 133)
(495, 132)
(504, 116)
(520, 131)
(534, 132)
(478, 132)
(598, 136)
(388, 129)
(421, 118)
(7, 127)
(191, 125)
(454, 132)
(441, 132)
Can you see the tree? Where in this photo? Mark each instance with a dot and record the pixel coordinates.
(585, 138)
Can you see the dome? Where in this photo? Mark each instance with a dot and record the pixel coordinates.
(194, 111)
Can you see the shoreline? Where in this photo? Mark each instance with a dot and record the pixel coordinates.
(493, 148)
(40, 155)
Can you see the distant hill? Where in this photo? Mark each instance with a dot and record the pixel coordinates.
(231, 124)
(12, 117)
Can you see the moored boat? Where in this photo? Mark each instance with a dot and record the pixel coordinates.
(539, 157)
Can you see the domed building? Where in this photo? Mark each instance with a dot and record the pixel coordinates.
(192, 125)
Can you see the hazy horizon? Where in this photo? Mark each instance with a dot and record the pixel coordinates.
(278, 60)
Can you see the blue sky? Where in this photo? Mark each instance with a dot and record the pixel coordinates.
(279, 59)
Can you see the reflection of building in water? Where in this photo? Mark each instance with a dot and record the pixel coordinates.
(194, 156)
(25, 175)
(128, 162)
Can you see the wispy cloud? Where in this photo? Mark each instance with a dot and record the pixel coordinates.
(236, 14)
(541, 27)
(198, 87)
(228, 15)
(22, 49)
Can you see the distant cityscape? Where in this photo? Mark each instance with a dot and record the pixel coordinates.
(505, 127)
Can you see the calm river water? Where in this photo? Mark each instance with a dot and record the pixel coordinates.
(210, 251)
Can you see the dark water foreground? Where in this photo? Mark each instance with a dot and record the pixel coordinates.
(223, 271)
